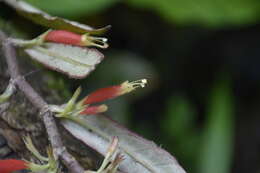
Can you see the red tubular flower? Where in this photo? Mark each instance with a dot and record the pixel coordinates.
(10, 165)
(92, 110)
(113, 91)
(103, 94)
(67, 37)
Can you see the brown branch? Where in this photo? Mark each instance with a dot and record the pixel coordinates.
(39, 103)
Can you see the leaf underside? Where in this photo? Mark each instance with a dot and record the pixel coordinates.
(140, 155)
(76, 62)
(54, 22)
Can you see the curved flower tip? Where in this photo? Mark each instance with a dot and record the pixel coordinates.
(92, 110)
(113, 91)
(10, 165)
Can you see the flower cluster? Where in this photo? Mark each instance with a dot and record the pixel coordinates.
(85, 107)
(108, 93)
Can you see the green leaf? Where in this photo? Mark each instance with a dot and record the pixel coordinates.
(179, 120)
(204, 12)
(76, 62)
(72, 8)
(54, 22)
(140, 155)
(217, 143)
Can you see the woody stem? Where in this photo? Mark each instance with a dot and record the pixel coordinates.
(38, 102)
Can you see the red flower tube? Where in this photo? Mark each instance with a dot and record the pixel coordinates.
(62, 36)
(71, 38)
(10, 165)
(92, 110)
(113, 91)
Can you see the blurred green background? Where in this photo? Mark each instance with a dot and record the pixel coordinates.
(202, 61)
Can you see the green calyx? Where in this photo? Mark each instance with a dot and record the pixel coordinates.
(7, 93)
(50, 164)
(71, 108)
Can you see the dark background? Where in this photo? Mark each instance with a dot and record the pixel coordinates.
(202, 62)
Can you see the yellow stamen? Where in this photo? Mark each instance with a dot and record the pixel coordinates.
(88, 40)
(130, 86)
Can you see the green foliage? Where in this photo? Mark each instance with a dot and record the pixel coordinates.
(208, 149)
(217, 143)
(179, 117)
(180, 126)
(183, 12)
(72, 8)
(210, 13)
